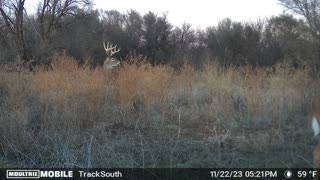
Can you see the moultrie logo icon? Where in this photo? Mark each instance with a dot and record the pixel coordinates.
(23, 174)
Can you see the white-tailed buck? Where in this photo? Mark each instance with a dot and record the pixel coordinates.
(315, 115)
(110, 62)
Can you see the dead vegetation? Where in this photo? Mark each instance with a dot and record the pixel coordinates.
(153, 116)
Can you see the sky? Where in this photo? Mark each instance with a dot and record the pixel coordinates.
(199, 13)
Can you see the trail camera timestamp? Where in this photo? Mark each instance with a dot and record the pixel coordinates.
(243, 174)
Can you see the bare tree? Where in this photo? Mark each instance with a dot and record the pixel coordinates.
(156, 30)
(309, 9)
(12, 13)
(50, 13)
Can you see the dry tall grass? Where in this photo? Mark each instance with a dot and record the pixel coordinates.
(152, 116)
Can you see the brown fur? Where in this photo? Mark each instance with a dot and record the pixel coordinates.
(315, 107)
(316, 157)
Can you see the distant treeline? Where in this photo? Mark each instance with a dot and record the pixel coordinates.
(74, 27)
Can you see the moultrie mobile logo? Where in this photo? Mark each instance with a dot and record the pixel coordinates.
(28, 174)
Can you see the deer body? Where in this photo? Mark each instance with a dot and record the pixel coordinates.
(315, 118)
(110, 61)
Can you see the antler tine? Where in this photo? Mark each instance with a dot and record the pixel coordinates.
(110, 49)
(104, 45)
(107, 49)
(114, 50)
(109, 46)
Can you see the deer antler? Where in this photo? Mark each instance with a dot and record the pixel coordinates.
(110, 50)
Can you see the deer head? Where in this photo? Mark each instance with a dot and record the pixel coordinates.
(110, 62)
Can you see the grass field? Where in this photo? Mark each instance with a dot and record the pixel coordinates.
(153, 116)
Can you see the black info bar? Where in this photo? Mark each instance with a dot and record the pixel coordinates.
(160, 173)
